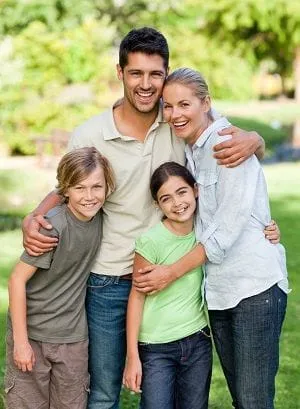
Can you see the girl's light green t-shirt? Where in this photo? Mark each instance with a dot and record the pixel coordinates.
(178, 310)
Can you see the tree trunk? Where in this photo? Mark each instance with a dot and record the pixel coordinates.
(296, 131)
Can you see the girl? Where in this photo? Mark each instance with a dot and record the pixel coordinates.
(246, 285)
(47, 340)
(174, 349)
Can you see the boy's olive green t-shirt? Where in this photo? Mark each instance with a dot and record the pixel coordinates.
(55, 294)
(178, 310)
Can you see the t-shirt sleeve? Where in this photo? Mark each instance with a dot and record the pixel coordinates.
(147, 249)
(44, 260)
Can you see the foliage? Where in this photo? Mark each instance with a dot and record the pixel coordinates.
(260, 30)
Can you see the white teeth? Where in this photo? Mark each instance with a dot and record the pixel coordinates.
(145, 94)
(177, 124)
(89, 205)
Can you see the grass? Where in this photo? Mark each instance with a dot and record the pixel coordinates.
(284, 189)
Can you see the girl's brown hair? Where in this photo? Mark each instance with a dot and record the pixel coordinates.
(78, 164)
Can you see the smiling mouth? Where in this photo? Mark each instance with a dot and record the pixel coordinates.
(90, 205)
(179, 124)
(181, 210)
(145, 95)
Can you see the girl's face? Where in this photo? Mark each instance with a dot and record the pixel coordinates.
(177, 200)
(87, 196)
(186, 114)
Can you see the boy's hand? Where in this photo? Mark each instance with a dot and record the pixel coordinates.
(240, 147)
(272, 232)
(34, 242)
(132, 376)
(24, 356)
(153, 278)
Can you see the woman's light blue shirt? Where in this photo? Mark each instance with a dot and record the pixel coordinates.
(233, 209)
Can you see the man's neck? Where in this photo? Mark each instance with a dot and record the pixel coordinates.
(131, 122)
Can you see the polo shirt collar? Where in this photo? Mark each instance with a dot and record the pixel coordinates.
(111, 132)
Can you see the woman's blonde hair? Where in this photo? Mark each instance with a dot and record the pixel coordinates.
(191, 79)
(76, 165)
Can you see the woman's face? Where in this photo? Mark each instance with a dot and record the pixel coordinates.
(186, 114)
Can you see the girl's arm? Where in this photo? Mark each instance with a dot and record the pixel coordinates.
(132, 376)
(23, 353)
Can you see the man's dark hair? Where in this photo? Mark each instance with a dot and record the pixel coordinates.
(145, 40)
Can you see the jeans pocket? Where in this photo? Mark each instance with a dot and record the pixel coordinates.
(206, 332)
(98, 280)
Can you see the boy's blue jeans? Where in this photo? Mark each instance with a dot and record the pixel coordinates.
(106, 303)
(177, 374)
(247, 342)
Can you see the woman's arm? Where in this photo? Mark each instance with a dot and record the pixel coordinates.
(132, 376)
(23, 353)
(153, 277)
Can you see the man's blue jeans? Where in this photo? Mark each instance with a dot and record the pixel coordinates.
(247, 342)
(106, 304)
(177, 374)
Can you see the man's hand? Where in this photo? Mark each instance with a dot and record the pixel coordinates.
(24, 356)
(153, 278)
(272, 232)
(240, 147)
(34, 242)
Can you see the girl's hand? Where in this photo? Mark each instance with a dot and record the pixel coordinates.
(272, 232)
(132, 376)
(24, 356)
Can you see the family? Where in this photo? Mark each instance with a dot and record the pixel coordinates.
(177, 256)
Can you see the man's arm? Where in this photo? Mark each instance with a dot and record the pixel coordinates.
(34, 242)
(240, 147)
(156, 277)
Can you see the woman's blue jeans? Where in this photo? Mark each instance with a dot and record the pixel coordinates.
(106, 304)
(247, 342)
(177, 374)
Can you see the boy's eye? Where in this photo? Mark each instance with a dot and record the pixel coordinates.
(78, 188)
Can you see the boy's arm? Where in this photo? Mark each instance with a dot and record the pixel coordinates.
(23, 353)
(156, 277)
(132, 376)
(240, 147)
(34, 242)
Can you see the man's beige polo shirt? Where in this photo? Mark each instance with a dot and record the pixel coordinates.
(130, 210)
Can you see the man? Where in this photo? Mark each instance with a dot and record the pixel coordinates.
(136, 140)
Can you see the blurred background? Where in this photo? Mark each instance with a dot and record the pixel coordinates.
(57, 68)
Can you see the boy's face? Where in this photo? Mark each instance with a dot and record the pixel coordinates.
(143, 79)
(87, 196)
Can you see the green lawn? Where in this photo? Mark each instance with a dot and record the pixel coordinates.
(284, 189)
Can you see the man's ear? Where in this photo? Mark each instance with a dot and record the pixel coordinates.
(119, 72)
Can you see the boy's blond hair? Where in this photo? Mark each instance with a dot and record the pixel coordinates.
(76, 165)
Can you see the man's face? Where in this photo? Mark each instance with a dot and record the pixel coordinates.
(143, 79)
